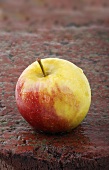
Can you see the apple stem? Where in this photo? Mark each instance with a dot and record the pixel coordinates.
(40, 63)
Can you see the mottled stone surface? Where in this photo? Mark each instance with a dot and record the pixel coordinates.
(30, 15)
(74, 30)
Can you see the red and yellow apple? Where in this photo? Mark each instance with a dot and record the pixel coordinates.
(53, 95)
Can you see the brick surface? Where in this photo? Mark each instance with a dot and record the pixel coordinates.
(74, 30)
(31, 15)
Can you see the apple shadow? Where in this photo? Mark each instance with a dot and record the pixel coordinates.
(73, 139)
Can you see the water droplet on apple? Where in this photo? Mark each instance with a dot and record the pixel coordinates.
(46, 99)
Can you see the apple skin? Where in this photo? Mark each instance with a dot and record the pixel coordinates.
(57, 102)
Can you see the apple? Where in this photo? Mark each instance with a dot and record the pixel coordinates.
(53, 95)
